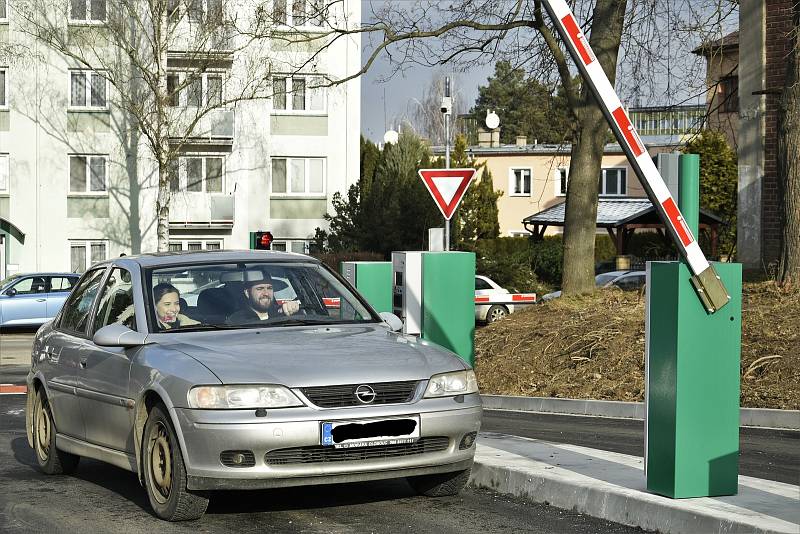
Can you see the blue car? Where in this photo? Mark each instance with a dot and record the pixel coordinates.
(35, 298)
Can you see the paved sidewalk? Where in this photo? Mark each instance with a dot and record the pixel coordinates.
(612, 486)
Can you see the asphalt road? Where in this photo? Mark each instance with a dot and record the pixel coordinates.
(102, 498)
(763, 453)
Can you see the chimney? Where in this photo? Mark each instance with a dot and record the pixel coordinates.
(495, 138)
(522, 140)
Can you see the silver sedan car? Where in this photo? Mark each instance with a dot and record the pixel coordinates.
(279, 374)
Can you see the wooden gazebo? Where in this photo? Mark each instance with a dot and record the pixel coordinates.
(621, 217)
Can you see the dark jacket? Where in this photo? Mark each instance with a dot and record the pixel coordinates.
(247, 315)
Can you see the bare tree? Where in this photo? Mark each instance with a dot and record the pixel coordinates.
(468, 32)
(789, 159)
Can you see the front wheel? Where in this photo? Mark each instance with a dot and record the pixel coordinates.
(440, 485)
(165, 473)
(51, 460)
(496, 313)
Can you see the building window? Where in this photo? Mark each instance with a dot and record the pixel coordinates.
(88, 90)
(298, 12)
(201, 90)
(561, 182)
(298, 176)
(291, 245)
(298, 93)
(4, 173)
(87, 10)
(194, 245)
(729, 94)
(87, 174)
(197, 174)
(613, 182)
(519, 182)
(84, 254)
(3, 11)
(3, 84)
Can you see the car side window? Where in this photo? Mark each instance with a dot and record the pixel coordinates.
(77, 307)
(61, 284)
(116, 301)
(30, 286)
(480, 283)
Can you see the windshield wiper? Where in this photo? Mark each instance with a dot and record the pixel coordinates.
(200, 327)
(296, 322)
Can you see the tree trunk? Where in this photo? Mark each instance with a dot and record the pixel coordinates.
(587, 156)
(162, 148)
(789, 161)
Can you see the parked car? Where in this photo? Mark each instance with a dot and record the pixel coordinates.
(33, 299)
(490, 313)
(315, 390)
(625, 280)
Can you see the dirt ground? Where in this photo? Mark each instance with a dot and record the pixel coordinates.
(593, 348)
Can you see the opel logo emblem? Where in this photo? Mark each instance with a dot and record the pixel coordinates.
(365, 394)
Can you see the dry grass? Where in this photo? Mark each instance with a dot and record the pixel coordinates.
(593, 348)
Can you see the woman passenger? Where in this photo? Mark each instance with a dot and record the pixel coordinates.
(168, 307)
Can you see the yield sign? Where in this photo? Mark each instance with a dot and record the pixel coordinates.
(447, 187)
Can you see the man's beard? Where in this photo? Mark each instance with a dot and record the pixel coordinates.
(258, 306)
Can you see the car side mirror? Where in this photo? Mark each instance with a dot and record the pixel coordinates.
(118, 335)
(392, 320)
(11, 292)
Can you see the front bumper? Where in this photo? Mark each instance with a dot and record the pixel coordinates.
(206, 433)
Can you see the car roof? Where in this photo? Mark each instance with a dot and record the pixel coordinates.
(20, 275)
(165, 259)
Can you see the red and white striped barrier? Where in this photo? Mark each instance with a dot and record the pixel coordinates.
(708, 285)
(508, 298)
(13, 389)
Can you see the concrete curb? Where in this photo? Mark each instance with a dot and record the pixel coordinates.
(758, 417)
(550, 473)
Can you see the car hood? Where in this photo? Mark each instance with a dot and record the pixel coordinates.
(314, 356)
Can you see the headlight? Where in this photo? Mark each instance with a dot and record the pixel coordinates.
(234, 397)
(449, 384)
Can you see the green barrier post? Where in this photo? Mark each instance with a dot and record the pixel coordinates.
(692, 399)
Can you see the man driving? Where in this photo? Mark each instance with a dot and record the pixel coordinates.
(259, 290)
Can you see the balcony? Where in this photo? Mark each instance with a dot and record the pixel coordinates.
(216, 125)
(201, 210)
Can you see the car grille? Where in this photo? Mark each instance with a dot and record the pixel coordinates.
(344, 395)
(320, 454)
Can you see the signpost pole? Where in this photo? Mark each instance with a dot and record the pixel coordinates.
(447, 166)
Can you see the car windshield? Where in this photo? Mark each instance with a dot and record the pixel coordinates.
(7, 280)
(246, 295)
(602, 279)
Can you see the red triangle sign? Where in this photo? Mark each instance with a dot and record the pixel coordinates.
(447, 187)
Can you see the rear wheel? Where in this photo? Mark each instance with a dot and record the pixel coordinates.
(496, 313)
(165, 473)
(51, 460)
(440, 484)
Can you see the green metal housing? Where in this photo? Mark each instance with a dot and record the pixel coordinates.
(693, 385)
(448, 301)
(373, 279)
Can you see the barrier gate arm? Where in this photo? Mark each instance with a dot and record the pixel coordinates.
(707, 283)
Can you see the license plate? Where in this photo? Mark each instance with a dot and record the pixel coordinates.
(370, 432)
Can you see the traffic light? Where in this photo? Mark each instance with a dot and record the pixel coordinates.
(263, 240)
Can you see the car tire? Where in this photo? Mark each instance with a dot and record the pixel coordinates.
(496, 313)
(165, 473)
(440, 484)
(51, 460)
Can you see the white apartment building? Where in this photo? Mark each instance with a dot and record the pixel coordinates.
(78, 184)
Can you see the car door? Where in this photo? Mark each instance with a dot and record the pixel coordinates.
(63, 354)
(58, 288)
(104, 375)
(25, 302)
(482, 288)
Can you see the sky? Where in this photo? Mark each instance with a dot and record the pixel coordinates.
(384, 102)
